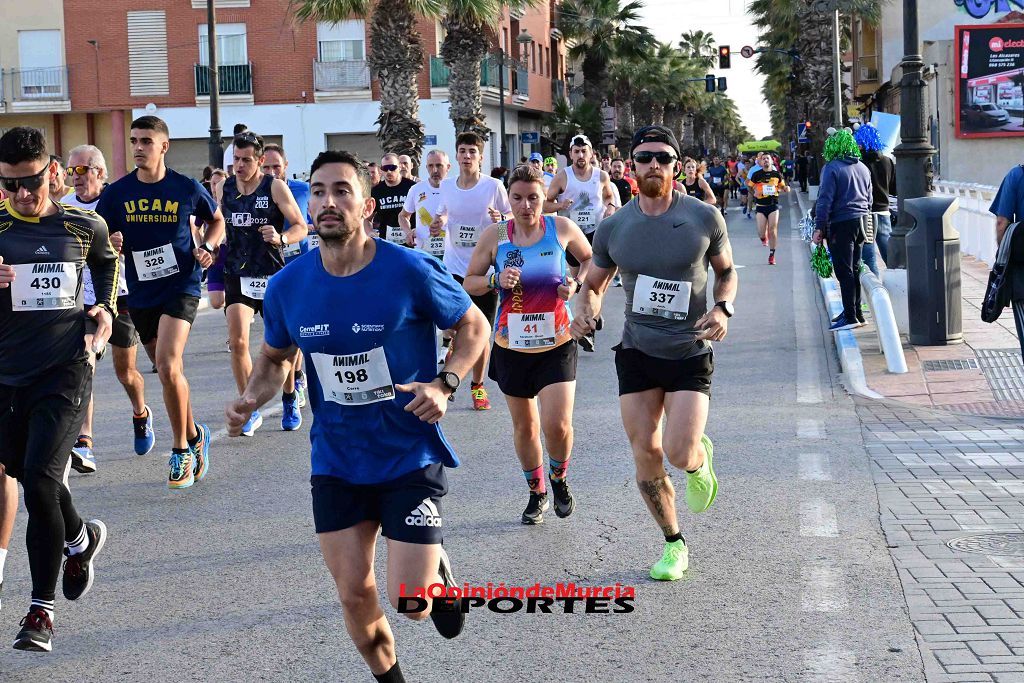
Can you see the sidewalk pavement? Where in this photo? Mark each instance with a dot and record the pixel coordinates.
(983, 376)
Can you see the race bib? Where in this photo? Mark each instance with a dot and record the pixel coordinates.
(716, 180)
(435, 245)
(584, 217)
(314, 242)
(153, 264)
(769, 191)
(355, 379)
(466, 236)
(254, 287)
(293, 250)
(395, 235)
(44, 286)
(663, 298)
(531, 330)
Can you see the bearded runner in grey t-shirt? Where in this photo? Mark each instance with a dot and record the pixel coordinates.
(663, 243)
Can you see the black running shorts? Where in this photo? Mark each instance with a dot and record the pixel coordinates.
(233, 294)
(523, 375)
(147, 320)
(39, 423)
(488, 303)
(639, 372)
(408, 508)
(767, 210)
(123, 334)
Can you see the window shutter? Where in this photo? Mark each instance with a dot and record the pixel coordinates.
(147, 53)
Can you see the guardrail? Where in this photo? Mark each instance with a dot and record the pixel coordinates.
(885, 322)
(977, 227)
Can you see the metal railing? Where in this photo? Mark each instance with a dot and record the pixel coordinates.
(867, 69)
(440, 73)
(235, 79)
(35, 85)
(558, 91)
(885, 322)
(522, 82)
(977, 227)
(343, 75)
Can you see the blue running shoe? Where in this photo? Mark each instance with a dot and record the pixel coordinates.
(144, 437)
(201, 453)
(82, 459)
(291, 418)
(254, 423)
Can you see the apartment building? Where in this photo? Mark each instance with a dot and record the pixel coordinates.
(83, 70)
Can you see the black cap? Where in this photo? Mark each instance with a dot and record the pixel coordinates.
(654, 134)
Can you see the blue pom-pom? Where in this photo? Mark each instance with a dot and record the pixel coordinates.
(868, 139)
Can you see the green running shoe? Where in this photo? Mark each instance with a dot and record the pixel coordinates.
(702, 485)
(674, 561)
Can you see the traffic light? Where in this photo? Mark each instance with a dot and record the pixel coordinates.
(709, 83)
(724, 57)
(722, 84)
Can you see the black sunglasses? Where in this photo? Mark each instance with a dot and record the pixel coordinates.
(29, 182)
(389, 167)
(663, 158)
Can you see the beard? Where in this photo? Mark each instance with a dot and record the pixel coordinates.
(656, 186)
(336, 234)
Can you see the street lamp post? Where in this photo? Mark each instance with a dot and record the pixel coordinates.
(523, 38)
(914, 154)
(216, 157)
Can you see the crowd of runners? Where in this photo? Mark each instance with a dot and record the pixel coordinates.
(498, 276)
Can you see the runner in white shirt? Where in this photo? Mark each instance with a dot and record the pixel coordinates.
(470, 203)
(423, 202)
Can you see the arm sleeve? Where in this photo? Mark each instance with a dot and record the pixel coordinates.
(439, 297)
(275, 329)
(601, 257)
(205, 205)
(103, 265)
(823, 207)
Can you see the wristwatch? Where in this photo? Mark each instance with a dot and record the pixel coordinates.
(284, 239)
(206, 247)
(727, 307)
(451, 381)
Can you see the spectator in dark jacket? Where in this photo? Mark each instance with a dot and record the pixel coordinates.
(1008, 207)
(883, 185)
(844, 200)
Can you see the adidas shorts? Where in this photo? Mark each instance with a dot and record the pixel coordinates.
(408, 508)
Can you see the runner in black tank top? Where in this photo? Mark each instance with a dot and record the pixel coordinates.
(694, 185)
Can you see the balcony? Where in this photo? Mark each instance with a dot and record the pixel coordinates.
(521, 85)
(43, 89)
(867, 69)
(340, 76)
(235, 79)
(558, 91)
(439, 73)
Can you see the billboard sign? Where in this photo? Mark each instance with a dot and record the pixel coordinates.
(979, 9)
(990, 81)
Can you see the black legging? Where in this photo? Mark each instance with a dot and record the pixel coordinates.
(52, 520)
(844, 244)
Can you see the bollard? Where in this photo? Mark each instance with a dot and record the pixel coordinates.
(933, 272)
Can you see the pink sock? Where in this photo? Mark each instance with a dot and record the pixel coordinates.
(535, 479)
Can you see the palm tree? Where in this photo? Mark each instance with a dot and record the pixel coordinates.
(467, 39)
(395, 58)
(699, 46)
(602, 30)
(565, 120)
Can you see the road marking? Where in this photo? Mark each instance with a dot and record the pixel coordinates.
(807, 428)
(818, 518)
(815, 467)
(830, 663)
(822, 588)
(808, 336)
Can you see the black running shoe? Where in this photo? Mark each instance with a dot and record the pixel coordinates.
(36, 632)
(564, 502)
(600, 323)
(587, 342)
(78, 572)
(447, 616)
(534, 512)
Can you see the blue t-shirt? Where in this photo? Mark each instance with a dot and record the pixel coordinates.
(153, 218)
(1009, 201)
(361, 432)
(300, 190)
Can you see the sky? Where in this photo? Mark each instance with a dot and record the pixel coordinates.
(727, 20)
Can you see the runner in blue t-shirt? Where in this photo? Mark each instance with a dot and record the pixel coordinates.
(152, 208)
(719, 173)
(275, 163)
(378, 454)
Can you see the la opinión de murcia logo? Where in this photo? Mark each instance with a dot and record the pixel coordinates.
(982, 8)
(564, 598)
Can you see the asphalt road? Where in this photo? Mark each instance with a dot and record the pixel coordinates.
(789, 580)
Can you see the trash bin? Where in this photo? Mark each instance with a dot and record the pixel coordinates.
(933, 272)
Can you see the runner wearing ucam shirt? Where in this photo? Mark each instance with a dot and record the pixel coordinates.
(534, 356)
(584, 194)
(390, 194)
(152, 208)
(46, 356)
(378, 453)
(470, 203)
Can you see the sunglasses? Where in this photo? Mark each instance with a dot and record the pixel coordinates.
(80, 170)
(389, 167)
(663, 158)
(29, 182)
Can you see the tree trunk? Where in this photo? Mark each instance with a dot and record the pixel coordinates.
(465, 45)
(396, 58)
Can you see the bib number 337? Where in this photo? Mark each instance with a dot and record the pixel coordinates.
(356, 378)
(663, 298)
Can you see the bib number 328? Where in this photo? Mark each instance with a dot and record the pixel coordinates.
(153, 264)
(663, 298)
(355, 379)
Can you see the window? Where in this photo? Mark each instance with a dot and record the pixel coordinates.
(231, 47)
(547, 61)
(533, 48)
(40, 57)
(341, 42)
(147, 53)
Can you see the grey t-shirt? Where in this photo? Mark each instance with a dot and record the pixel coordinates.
(660, 257)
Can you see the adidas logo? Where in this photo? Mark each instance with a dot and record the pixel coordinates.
(43, 251)
(425, 514)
